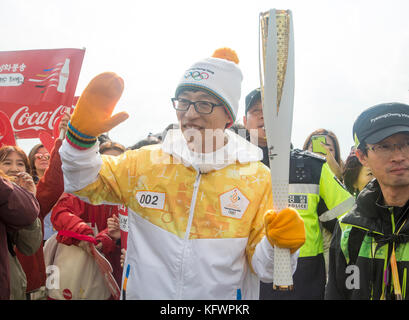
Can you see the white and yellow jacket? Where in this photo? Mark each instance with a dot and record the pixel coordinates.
(195, 220)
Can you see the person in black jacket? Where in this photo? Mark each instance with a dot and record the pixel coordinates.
(369, 252)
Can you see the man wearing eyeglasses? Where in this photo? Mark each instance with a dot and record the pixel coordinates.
(197, 203)
(369, 252)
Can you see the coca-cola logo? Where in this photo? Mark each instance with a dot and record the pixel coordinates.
(22, 119)
(67, 294)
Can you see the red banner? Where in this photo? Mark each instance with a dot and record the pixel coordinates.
(36, 86)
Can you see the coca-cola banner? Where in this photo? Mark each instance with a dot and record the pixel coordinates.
(36, 87)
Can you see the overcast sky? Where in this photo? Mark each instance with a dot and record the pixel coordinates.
(349, 54)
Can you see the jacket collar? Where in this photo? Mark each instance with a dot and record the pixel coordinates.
(237, 149)
(368, 212)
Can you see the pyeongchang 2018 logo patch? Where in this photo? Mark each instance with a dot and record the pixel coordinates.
(233, 203)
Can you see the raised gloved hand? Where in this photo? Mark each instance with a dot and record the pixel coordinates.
(285, 229)
(92, 115)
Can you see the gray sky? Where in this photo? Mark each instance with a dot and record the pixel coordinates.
(349, 55)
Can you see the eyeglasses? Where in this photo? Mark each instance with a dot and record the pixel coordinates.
(387, 149)
(203, 107)
(40, 156)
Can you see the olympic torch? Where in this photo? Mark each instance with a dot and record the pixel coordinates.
(276, 56)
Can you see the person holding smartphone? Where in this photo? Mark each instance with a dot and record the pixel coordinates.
(325, 143)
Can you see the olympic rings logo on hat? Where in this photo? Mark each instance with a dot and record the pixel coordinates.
(196, 75)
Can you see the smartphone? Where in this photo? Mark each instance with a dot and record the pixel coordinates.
(316, 144)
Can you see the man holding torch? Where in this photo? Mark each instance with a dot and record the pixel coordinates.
(200, 218)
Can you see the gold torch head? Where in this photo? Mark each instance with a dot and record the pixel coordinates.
(282, 21)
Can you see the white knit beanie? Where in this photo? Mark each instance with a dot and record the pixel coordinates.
(218, 75)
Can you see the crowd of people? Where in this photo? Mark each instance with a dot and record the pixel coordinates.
(188, 214)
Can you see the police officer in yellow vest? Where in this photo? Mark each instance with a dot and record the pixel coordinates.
(318, 196)
(200, 224)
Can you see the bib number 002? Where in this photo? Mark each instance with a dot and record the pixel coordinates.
(148, 199)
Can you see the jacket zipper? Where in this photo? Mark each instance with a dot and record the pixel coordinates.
(186, 238)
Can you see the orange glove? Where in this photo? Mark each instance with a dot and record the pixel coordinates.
(92, 115)
(285, 229)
